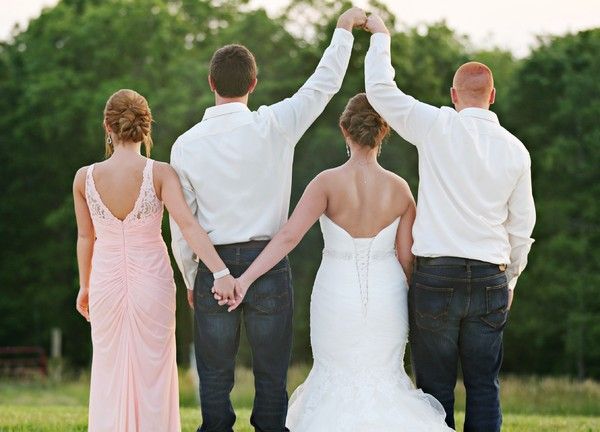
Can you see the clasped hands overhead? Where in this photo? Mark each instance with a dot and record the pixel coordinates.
(229, 290)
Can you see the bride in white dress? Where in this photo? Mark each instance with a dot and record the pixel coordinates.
(358, 313)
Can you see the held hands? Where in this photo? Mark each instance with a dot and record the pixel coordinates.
(357, 17)
(82, 303)
(375, 24)
(224, 289)
(241, 288)
(352, 18)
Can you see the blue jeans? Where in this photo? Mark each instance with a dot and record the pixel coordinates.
(267, 314)
(458, 311)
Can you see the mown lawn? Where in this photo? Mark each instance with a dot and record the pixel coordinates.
(530, 404)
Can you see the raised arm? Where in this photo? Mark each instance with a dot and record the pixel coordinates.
(406, 115)
(294, 115)
(190, 231)
(86, 238)
(404, 238)
(519, 225)
(312, 205)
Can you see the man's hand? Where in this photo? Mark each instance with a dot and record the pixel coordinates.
(224, 289)
(82, 304)
(190, 298)
(353, 17)
(511, 294)
(375, 24)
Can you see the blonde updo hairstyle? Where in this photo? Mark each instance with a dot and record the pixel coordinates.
(128, 115)
(362, 123)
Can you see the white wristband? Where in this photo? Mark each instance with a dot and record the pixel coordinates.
(222, 273)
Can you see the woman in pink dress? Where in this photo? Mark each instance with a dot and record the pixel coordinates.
(127, 291)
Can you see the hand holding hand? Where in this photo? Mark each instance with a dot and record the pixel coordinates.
(224, 290)
(353, 17)
(375, 24)
(241, 288)
(82, 303)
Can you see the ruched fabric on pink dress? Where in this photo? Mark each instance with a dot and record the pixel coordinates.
(134, 384)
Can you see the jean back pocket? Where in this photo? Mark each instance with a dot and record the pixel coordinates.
(271, 293)
(431, 305)
(496, 298)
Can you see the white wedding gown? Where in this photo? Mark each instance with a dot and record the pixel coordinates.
(359, 331)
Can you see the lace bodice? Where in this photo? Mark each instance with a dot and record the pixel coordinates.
(147, 203)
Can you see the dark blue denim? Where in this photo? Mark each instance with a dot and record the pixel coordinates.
(267, 313)
(459, 312)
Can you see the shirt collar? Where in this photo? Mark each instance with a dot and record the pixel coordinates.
(224, 109)
(481, 114)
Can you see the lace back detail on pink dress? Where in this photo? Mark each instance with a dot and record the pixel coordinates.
(133, 384)
(147, 203)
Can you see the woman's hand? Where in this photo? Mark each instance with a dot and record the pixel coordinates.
(224, 290)
(241, 288)
(82, 304)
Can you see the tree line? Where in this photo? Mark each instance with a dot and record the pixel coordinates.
(56, 75)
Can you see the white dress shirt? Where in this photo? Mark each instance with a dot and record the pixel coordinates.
(475, 198)
(235, 166)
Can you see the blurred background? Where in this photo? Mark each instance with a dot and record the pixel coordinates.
(57, 71)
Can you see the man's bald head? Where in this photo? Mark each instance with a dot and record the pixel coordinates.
(473, 86)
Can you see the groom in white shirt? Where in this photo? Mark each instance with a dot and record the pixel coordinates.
(235, 167)
(475, 216)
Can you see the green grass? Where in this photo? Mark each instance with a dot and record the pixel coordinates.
(529, 404)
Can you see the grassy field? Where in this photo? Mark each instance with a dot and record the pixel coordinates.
(530, 404)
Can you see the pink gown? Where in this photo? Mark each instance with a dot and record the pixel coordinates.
(134, 384)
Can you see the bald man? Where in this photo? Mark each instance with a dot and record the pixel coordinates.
(472, 234)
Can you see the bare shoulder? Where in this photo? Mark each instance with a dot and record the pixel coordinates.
(328, 178)
(329, 174)
(399, 184)
(163, 171)
(402, 193)
(79, 179)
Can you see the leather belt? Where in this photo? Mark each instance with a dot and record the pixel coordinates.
(249, 244)
(457, 262)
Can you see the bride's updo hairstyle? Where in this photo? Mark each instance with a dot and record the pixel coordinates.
(129, 117)
(364, 125)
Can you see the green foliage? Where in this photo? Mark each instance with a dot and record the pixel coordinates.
(555, 109)
(56, 76)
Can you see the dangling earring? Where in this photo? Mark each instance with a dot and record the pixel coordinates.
(109, 140)
(348, 150)
(379, 151)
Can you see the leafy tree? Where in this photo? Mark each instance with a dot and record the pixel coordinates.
(555, 109)
(56, 76)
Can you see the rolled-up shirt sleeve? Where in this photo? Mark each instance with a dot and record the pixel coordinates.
(519, 225)
(410, 118)
(183, 253)
(295, 114)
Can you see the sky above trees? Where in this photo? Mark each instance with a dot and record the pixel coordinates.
(510, 24)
